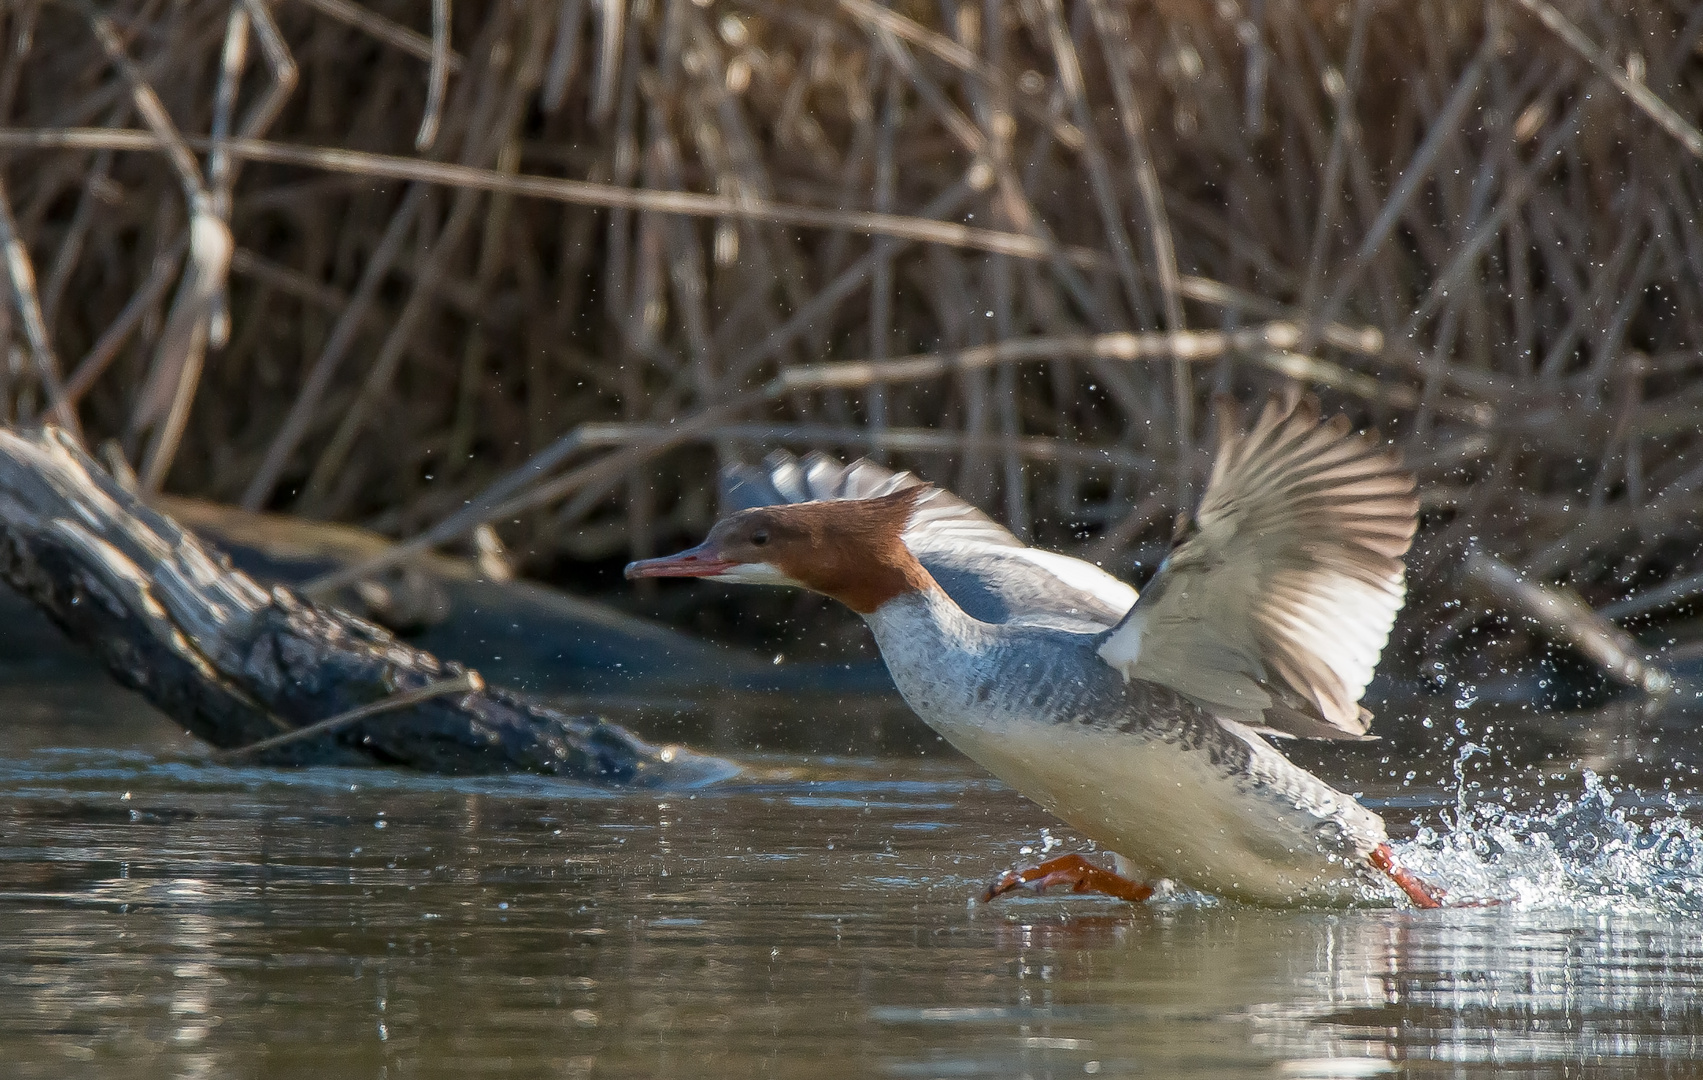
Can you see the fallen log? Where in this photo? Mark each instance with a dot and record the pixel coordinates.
(240, 665)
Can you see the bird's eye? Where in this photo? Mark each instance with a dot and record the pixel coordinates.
(760, 537)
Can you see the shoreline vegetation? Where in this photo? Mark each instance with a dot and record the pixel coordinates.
(513, 278)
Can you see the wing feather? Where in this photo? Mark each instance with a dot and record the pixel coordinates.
(1275, 606)
(940, 518)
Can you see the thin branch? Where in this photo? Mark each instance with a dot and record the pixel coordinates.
(578, 192)
(105, 350)
(393, 34)
(1188, 345)
(305, 408)
(438, 81)
(21, 273)
(1642, 96)
(466, 683)
(279, 64)
(1418, 168)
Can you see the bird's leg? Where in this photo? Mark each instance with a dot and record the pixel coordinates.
(1074, 871)
(1421, 892)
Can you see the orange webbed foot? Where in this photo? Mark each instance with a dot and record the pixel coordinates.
(1423, 894)
(1074, 871)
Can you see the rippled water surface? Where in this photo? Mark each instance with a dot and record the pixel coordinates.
(164, 918)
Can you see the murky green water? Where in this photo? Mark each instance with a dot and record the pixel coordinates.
(159, 918)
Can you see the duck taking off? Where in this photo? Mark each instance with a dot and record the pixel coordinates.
(1139, 722)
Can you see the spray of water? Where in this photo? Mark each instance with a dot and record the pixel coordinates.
(1580, 851)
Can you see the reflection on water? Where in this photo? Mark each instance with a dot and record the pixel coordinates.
(163, 918)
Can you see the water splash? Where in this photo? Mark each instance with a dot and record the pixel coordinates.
(1580, 852)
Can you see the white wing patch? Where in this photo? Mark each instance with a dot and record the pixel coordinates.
(1122, 650)
(1081, 575)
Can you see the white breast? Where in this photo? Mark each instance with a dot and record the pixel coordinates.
(1174, 815)
(1259, 828)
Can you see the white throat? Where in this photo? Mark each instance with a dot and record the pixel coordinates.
(759, 573)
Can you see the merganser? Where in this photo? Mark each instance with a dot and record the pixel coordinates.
(1139, 721)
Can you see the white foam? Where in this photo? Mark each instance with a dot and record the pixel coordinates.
(1579, 852)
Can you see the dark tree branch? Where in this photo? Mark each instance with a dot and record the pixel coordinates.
(236, 663)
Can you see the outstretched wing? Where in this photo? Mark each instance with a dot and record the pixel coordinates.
(1274, 605)
(986, 570)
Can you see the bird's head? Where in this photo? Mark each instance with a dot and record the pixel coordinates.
(852, 550)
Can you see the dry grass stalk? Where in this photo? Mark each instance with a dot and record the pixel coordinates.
(1012, 245)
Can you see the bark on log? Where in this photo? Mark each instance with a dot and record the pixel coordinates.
(237, 663)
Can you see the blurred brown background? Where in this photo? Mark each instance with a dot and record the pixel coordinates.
(358, 261)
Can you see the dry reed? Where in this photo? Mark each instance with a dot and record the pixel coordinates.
(423, 265)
